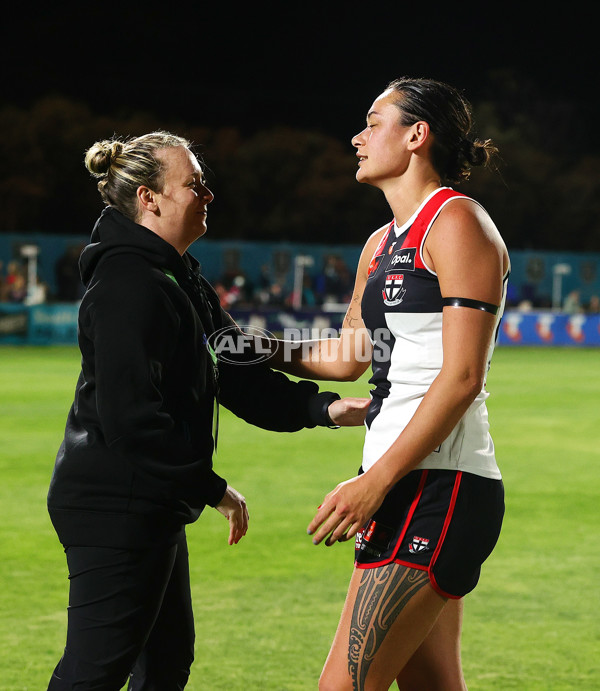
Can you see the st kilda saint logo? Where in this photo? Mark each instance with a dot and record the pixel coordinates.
(393, 292)
(418, 544)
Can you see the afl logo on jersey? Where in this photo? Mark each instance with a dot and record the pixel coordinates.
(393, 293)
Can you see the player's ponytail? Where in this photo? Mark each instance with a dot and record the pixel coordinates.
(449, 116)
(469, 153)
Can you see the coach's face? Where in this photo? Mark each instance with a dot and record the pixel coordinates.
(184, 199)
(178, 212)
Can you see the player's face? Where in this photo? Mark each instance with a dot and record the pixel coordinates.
(382, 146)
(184, 198)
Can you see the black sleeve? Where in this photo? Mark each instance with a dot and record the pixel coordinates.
(256, 393)
(268, 399)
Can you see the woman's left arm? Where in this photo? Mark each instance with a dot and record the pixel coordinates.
(469, 257)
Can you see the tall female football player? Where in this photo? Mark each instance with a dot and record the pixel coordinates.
(427, 504)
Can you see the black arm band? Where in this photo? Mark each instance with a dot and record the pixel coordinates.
(473, 304)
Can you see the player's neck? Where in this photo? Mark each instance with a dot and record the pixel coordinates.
(405, 199)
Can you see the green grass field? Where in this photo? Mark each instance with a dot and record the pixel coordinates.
(266, 609)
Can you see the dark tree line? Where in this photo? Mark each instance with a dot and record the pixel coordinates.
(297, 185)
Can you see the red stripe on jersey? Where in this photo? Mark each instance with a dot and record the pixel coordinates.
(422, 222)
(376, 258)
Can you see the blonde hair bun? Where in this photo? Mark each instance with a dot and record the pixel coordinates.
(100, 156)
(124, 165)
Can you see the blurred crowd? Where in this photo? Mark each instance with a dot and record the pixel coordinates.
(13, 282)
(573, 305)
(331, 284)
(15, 286)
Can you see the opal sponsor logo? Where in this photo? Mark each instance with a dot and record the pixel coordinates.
(403, 259)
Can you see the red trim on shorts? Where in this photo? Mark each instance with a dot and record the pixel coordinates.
(413, 507)
(449, 515)
(439, 591)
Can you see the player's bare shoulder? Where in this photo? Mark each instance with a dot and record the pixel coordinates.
(465, 216)
(464, 226)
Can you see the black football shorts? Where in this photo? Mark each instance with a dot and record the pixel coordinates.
(444, 522)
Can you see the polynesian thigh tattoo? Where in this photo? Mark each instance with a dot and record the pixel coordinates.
(382, 594)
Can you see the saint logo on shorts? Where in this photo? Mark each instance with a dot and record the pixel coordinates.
(393, 291)
(418, 544)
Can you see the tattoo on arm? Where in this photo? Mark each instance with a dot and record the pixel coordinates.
(350, 320)
(382, 595)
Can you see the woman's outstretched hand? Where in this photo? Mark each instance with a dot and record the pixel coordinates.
(349, 412)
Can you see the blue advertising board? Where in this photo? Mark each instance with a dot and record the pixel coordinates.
(54, 324)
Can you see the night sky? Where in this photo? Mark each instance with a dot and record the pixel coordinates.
(312, 65)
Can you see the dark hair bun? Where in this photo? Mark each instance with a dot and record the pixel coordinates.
(479, 153)
(468, 154)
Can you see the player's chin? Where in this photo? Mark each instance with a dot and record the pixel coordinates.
(361, 176)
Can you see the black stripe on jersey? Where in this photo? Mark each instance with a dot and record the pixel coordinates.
(474, 304)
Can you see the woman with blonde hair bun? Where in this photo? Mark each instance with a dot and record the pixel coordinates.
(135, 466)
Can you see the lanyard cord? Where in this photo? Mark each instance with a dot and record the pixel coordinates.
(197, 289)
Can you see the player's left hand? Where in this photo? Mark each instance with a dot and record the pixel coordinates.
(345, 510)
(349, 412)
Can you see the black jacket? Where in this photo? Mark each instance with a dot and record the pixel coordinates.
(135, 464)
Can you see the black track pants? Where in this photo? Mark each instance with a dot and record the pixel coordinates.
(130, 612)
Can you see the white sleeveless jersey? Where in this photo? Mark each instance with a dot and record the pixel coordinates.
(402, 309)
